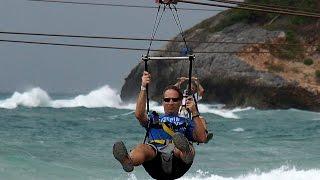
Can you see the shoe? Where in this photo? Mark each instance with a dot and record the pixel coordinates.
(209, 137)
(121, 154)
(182, 143)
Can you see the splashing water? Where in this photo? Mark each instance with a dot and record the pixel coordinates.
(36, 97)
(101, 97)
(283, 173)
(238, 129)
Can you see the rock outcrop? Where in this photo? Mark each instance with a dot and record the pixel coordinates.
(227, 78)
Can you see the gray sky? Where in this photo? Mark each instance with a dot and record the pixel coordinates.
(74, 70)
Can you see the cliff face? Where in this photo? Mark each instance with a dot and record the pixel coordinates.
(234, 79)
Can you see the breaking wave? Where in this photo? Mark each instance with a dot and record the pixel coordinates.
(101, 97)
(36, 97)
(283, 173)
(239, 129)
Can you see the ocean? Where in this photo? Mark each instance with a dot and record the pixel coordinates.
(65, 136)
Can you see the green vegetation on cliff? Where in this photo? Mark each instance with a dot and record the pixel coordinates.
(317, 74)
(308, 62)
(292, 48)
(267, 19)
(297, 28)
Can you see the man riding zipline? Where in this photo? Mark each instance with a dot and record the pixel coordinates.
(197, 92)
(168, 153)
(196, 87)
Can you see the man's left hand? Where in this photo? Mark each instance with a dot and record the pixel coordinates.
(191, 105)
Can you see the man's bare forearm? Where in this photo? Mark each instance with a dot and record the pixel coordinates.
(141, 107)
(200, 88)
(200, 134)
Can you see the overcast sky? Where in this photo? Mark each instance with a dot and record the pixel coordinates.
(71, 69)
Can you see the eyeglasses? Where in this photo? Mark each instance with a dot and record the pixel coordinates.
(169, 99)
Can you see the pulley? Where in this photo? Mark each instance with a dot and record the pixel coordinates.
(166, 1)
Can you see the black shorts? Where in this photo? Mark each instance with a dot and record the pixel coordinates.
(154, 168)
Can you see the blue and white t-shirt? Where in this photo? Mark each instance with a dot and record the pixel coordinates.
(172, 120)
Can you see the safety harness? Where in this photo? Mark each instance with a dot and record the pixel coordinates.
(167, 127)
(164, 147)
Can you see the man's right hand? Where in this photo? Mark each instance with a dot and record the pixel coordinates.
(145, 79)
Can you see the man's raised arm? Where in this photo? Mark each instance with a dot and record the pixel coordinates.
(140, 112)
(199, 132)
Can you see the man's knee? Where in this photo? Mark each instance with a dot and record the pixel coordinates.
(179, 153)
(143, 150)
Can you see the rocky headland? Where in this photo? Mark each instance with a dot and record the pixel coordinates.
(288, 76)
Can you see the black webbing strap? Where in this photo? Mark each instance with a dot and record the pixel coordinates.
(189, 81)
(148, 107)
(155, 27)
(190, 74)
(178, 23)
(154, 31)
(147, 86)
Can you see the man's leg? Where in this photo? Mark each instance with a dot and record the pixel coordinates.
(186, 156)
(142, 153)
(138, 155)
(204, 122)
(183, 149)
(209, 135)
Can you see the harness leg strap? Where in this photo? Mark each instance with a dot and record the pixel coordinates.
(166, 158)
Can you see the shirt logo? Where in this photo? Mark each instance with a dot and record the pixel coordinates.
(173, 119)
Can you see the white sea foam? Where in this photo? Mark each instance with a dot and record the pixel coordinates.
(242, 109)
(283, 173)
(35, 97)
(238, 129)
(226, 113)
(204, 108)
(131, 176)
(101, 97)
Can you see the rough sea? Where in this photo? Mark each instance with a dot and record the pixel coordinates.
(49, 137)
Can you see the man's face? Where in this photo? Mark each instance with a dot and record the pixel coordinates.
(171, 101)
